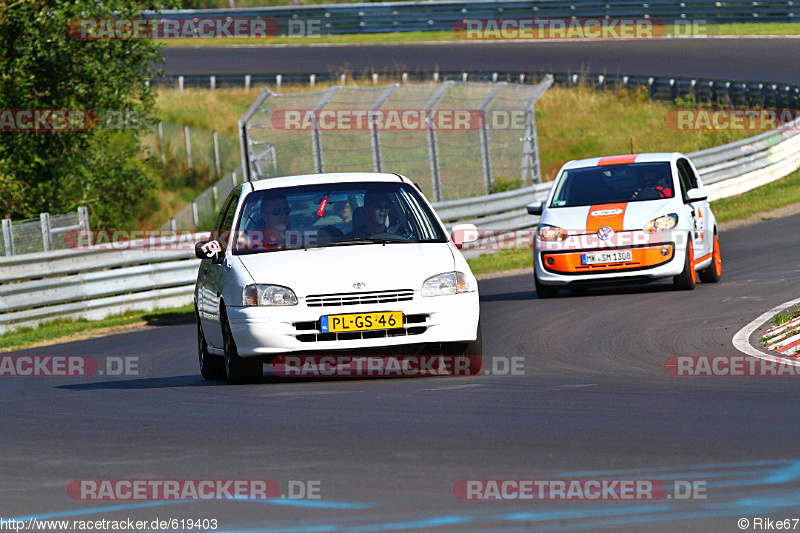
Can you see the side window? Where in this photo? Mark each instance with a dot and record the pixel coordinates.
(686, 174)
(684, 177)
(225, 219)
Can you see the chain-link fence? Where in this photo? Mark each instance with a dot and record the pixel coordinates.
(44, 234)
(200, 213)
(455, 139)
(199, 148)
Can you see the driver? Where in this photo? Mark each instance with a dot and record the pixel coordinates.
(270, 227)
(376, 211)
(654, 186)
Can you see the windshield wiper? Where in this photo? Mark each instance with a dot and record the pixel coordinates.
(366, 240)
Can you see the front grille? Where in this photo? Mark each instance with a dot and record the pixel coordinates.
(413, 325)
(359, 298)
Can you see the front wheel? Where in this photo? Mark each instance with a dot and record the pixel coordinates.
(211, 366)
(545, 291)
(464, 358)
(238, 369)
(713, 272)
(687, 279)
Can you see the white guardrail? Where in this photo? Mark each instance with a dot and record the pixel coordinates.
(101, 281)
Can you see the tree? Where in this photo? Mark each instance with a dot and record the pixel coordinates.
(43, 68)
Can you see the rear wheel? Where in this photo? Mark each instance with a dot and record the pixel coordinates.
(211, 366)
(238, 369)
(545, 291)
(687, 279)
(713, 272)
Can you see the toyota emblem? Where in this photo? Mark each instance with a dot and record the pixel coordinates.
(358, 285)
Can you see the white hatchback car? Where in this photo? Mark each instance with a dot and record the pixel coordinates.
(628, 218)
(355, 262)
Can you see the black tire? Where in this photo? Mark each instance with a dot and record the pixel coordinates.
(212, 366)
(545, 291)
(238, 370)
(471, 353)
(687, 279)
(713, 272)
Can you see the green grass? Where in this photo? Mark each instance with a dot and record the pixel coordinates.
(58, 329)
(766, 28)
(785, 191)
(783, 318)
(499, 261)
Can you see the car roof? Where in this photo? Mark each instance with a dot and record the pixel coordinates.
(333, 177)
(624, 159)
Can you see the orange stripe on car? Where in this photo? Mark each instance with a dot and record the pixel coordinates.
(610, 215)
(701, 259)
(570, 263)
(617, 160)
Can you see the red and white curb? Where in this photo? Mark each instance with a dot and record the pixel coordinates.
(741, 341)
(785, 338)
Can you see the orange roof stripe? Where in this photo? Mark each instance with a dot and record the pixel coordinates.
(617, 160)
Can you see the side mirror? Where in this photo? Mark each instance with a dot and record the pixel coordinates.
(535, 208)
(209, 250)
(463, 234)
(696, 195)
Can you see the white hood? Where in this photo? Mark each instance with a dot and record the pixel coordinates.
(634, 215)
(335, 269)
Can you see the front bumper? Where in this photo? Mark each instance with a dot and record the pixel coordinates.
(648, 262)
(277, 330)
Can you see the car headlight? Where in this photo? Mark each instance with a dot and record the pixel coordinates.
(551, 233)
(269, 295)
(667, 222)
(447, 283)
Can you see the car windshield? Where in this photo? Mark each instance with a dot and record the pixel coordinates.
(341, 214)
(610, 184)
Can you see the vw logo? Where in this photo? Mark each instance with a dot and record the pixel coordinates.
(605, 233)
(358, 285)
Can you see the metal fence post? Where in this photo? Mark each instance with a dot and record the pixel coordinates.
(195, 216)
(217, 166)
(188, 146)
(44, 220)
(433, 153)
(316, 141)
(8, 236)
(374, 134)
(161, 142)
(486, 156)
(244, 140)
(83, 218)
(530, 147)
